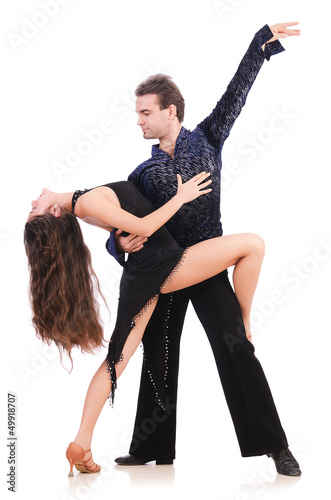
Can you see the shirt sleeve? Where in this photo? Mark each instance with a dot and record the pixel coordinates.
(111, 248)
(134, 178)
(217, 126)
(111, 243)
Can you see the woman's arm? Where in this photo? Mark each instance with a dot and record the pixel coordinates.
(100, 211)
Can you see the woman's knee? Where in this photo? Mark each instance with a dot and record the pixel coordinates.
(257, 243)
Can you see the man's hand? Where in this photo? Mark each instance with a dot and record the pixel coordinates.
(280, 31)
(128, 244)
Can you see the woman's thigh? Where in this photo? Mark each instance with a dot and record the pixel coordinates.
(210, 257)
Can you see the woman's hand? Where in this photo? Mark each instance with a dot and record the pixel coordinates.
(193, 188)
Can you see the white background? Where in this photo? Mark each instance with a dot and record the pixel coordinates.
(66, 69)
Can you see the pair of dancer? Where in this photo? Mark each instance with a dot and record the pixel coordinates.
(63, 285)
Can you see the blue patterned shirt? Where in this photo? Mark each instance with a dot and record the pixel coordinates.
(200, 150)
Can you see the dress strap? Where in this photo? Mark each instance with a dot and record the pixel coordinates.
(75, 197)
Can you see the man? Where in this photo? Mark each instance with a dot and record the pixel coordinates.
(160, 107)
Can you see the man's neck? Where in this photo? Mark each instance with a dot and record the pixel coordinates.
(168, 142)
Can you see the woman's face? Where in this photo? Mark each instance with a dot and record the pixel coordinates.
(42, 204)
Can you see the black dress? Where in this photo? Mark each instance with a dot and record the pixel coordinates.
(144, 271)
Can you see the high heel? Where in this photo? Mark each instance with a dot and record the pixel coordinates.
(75, 455)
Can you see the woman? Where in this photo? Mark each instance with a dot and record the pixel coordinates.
(62, 279)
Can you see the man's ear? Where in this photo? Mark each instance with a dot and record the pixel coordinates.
(172, 111)
(56, 210)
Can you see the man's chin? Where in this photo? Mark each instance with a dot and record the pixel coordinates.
(148, 134)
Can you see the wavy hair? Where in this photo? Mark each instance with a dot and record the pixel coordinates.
(63, 284)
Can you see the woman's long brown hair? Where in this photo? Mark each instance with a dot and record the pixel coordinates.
(62, 284)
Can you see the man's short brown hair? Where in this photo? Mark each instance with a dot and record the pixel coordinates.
(166, 90)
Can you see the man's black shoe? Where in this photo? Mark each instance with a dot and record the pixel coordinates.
(130, 460)
(285, 463)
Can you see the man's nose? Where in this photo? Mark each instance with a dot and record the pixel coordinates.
(140, 120)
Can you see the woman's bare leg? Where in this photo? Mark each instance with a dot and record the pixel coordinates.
(100, 386)
(204, 260)
(210, 257)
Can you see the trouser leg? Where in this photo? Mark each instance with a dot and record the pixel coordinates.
(246, 389)
(155, 427)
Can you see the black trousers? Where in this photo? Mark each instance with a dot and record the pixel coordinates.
(246, 389)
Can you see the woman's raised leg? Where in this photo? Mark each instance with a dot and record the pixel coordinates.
(100, 386)
(210, 257)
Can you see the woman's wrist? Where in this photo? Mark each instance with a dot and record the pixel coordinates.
(179, 200)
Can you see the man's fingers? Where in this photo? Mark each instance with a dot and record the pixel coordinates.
(292, 32)
(138, 248)
(136, 243)
(279, 28)
(130, 237)
(286, 25)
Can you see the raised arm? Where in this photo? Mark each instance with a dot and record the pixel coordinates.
(98, 210)
(218, 124)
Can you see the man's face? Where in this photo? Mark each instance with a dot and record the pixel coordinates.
(153, 122)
